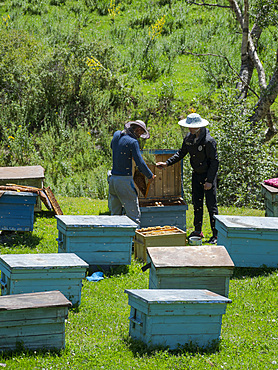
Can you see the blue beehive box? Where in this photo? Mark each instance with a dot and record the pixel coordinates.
(98, 240)
(33, 320)
(250, 241)
(17, 211)
(164, 204)
(24, 175)
(27, 273)
(190, 267)
(270, 195)
(175, 318)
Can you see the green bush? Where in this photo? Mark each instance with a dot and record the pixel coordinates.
(245, 160)
(38, 84)
(20, 85)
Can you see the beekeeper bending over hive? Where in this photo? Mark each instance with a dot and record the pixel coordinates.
(122, 191)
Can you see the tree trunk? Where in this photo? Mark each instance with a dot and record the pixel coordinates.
(267, 97)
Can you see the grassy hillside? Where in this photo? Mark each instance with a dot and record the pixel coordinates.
(72, 72)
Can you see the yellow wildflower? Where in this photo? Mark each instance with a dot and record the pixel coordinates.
(94, 63)
(113, 10)
(156, 29)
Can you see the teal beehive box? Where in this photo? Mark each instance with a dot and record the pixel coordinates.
(33, 321)
(176, 318)
(24, 175)
(270, 195)
(28, 273)
(98, 240)
(17, 211)
(164, 204)
(250, 241)
(190, 267)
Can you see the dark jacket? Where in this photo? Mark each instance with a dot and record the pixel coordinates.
(125, 146)
(203, 154)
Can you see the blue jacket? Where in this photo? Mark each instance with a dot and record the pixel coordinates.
(203, 154)
(125, 147)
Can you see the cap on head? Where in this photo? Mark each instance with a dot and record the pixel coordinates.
(141, 124)
(193, 120)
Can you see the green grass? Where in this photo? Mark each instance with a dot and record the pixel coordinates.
(97, 332)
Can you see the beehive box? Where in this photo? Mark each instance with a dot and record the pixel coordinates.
(270, 195)
(176, 317)
(17, 211)
(158, 236)
(33, 320)
(98, 240)
(191, 267)
(24, 175)
(250, 241)
(164, 204)
(28, 273)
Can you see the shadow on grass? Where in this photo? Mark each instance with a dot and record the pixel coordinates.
(44, 214)
(20, 350)
(243, 272)
(107, 213)
(109, 270)
(75, 309)
(17, 238)
(140, 349)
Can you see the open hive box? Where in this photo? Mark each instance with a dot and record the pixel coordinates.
(158, 236)
(164, 203)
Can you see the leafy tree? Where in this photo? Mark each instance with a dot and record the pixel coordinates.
(253, 18)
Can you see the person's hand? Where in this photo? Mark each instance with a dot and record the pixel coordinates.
(207, 185)
(152, 179)
(161, 164)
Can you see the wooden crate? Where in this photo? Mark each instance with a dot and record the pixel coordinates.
(175, 317)
(250, 241)
(98, 240)
(33, 320)
(158, 236)
(17, 211)
(28, 273)
(24, 175)
(191, 267)
(270, 195)
(164, 204)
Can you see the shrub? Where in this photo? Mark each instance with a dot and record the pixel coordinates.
(245, 160)
(38, 84)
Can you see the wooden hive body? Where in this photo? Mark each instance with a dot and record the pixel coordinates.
(24, 175)
(98, 240)
(270, 195)
(164, 204)
(158, 236)
(174, 318)
(191, 267)
(28, 273)
(250, 241)
(34, 321)
(17, 211)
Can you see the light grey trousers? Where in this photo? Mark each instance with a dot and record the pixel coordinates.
(123, 197)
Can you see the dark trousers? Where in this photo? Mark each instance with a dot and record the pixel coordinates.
(198, 194)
